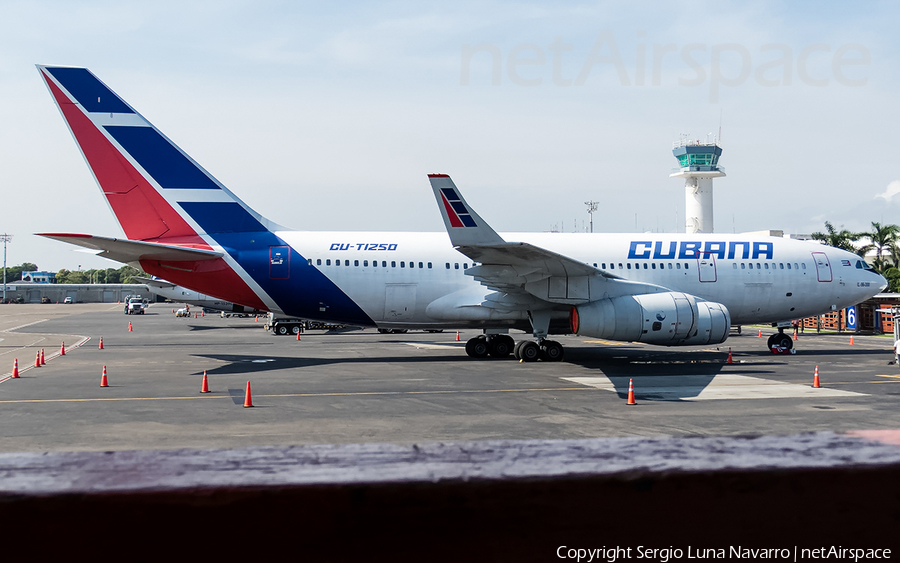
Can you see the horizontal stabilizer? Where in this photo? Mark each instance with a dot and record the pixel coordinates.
(126, 251)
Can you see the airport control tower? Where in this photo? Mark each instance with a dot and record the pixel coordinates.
(698, 164)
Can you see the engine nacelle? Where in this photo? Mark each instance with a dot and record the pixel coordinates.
(668, 319)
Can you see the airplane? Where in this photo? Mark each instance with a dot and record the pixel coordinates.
(183, 225)
(175, 292)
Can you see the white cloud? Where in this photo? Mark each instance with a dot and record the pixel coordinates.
(892, 189)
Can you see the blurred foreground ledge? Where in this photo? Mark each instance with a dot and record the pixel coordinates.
(493, 500)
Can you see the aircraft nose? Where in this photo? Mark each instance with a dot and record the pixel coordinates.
(884, 283)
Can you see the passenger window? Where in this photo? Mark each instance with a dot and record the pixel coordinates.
(328, 262)
(595, 264)
(654, 266)
(420, 265)
(456, 265)
(803, 265)
(465, 266)
(678, 266)
(789, 265)
(645, 265)
(743, 266)
(620, 265)
(670, 265)
(356, 263)
(309, 262)
(346, 262)
(393, 263)
(603, 266)
(781, 265)
(384, 263)
(319, 262)
(734, 265)
(365, 263)
(629, 265)
(429, 265)
(767, 265)
(337, 262)
(402, 264)
(686, 266)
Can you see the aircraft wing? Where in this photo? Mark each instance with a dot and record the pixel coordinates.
(519, 267)
(132, 250)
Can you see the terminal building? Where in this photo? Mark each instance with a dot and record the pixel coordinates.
(27, 292)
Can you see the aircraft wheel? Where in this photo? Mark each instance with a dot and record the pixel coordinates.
(772, 340)
(529, 351)
(552, 351)
(477, 347)
(500, 347)
(784, 340)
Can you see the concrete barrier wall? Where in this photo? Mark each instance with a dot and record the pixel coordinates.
(481, 501)
(81, 293)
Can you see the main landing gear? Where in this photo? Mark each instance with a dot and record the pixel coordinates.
(502, 345)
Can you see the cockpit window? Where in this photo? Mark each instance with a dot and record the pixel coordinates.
(863, 265)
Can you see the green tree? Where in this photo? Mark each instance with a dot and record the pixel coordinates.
(892, 275)
(884, 239)
(842, 239)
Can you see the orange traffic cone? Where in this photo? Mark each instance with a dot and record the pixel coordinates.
(759, 334)
(795, 336)
(103, 380)
(851, 340)
(37, 359)
(298, 336)
(257, 319)
(457, 336)
(205, 387)
(630, 393)
(62, 349)
(43, 363)
(816, 378)
(130, 328)
(202, 313)
(101, 343)
(15, 373)
(248, 399)
(730, 360)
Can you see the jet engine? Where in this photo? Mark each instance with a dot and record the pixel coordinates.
(667, 319)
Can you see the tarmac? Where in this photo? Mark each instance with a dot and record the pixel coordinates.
(359, 386)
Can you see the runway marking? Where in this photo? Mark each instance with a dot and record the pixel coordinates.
(311, 395)
(609, 342)
(704, 388)
(433, 346)
(23, 326)
(893, 376)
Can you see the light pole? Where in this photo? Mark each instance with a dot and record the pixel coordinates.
(592, 206)
(5, 238)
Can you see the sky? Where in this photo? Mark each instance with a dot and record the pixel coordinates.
(329, 116)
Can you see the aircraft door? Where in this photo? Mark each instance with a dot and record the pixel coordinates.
(823, 267)
(279, 262)
(399, 301)
(707, 268)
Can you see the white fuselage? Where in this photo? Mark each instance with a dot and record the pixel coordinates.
(394, 276)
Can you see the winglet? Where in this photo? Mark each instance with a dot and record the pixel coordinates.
(465, 227)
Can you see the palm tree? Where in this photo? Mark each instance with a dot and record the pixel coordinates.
(884, 241)
(842, 239)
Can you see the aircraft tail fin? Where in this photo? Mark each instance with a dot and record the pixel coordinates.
(156, 191)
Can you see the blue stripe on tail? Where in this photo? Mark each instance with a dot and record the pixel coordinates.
(300, 289)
